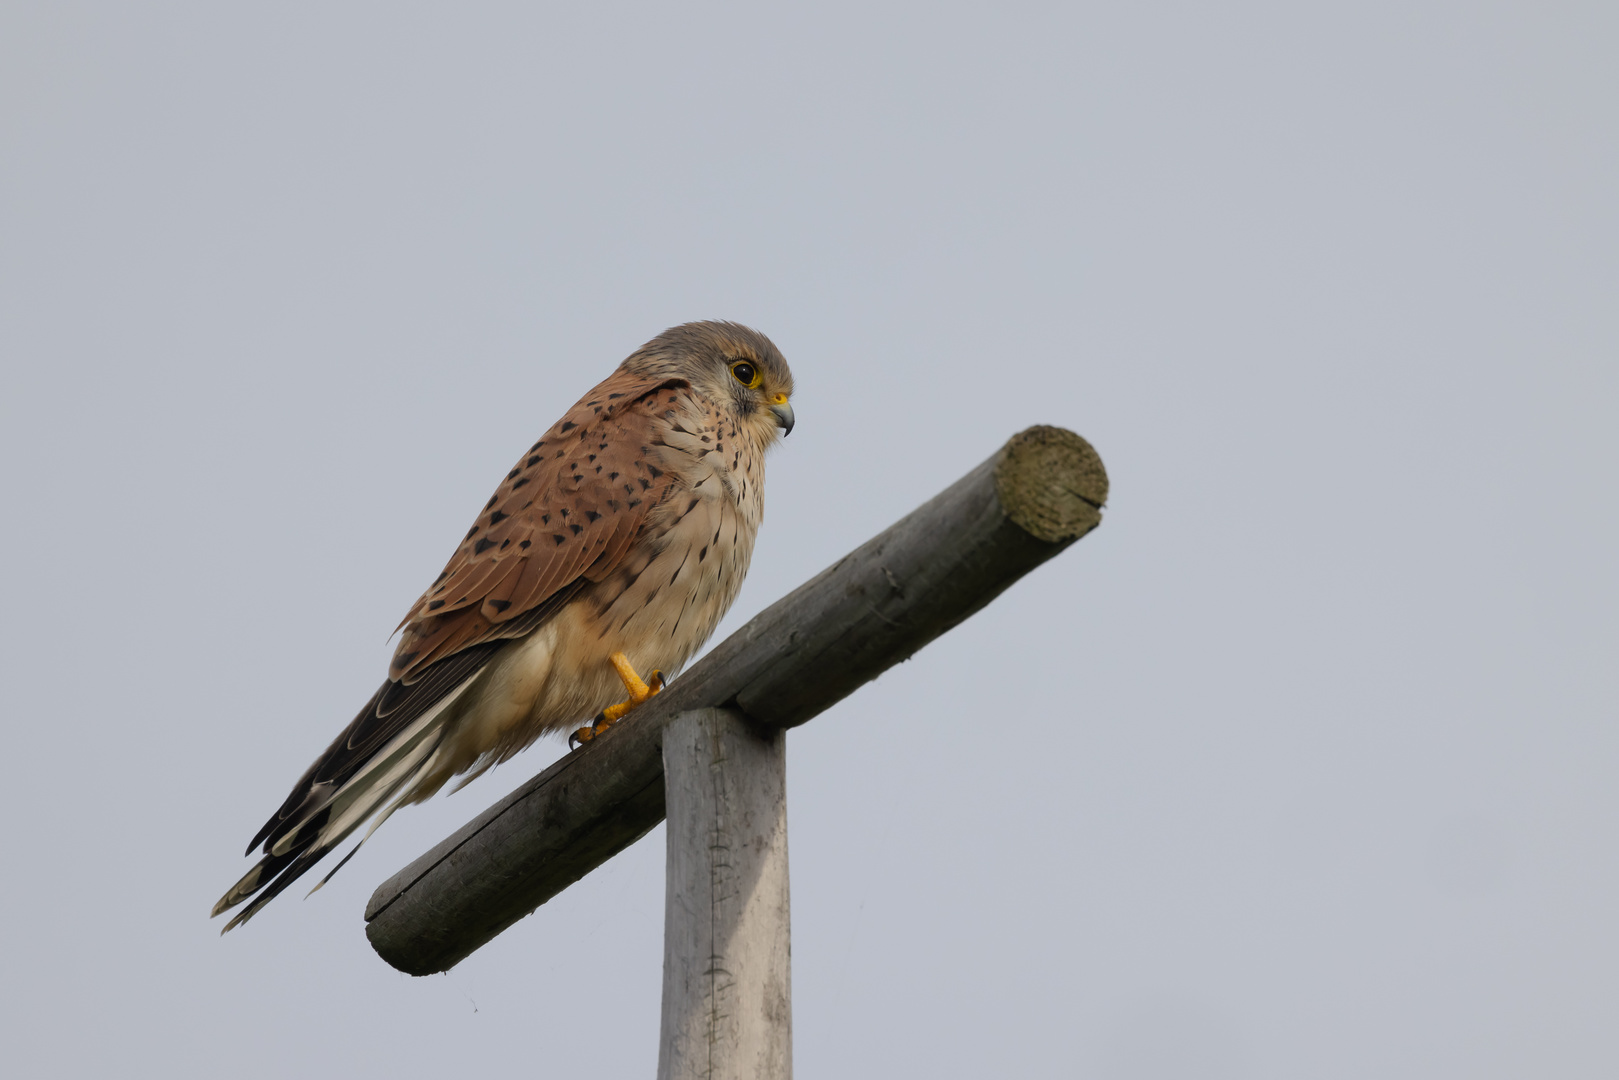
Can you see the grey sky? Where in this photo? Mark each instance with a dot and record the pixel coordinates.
(1302, 765)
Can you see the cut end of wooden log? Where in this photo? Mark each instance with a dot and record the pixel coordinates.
(1051, 483)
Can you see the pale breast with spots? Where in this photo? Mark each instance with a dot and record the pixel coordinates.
(665, 602)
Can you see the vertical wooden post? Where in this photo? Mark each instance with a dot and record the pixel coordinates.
(727, 978)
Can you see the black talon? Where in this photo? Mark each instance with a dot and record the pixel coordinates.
(595, 728)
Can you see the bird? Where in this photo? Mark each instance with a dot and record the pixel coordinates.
(612, 548)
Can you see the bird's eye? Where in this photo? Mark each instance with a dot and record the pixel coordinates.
(745, 373)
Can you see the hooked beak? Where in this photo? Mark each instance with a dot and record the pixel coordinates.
(784, 416)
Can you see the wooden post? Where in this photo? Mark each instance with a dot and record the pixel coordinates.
(870, 610)
(727, 979)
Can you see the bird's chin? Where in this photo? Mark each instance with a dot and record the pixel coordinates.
(762, 430)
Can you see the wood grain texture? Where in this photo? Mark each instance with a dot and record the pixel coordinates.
(727, 978)
(872, 609)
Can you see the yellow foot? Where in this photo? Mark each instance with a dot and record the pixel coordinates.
(639, 691)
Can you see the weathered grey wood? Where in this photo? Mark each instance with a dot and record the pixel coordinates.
(519, 853)
(869, 611)
(727, 978)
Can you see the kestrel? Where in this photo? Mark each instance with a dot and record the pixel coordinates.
(613, 547)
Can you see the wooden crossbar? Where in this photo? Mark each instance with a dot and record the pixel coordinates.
(872, 609)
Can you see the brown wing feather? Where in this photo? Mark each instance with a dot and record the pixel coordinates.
(571, 508)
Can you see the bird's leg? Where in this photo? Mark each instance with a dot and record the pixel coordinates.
(639, 691)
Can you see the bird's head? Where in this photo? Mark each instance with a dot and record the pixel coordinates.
(732, 366)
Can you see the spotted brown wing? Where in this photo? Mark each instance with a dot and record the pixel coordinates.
(569, 510)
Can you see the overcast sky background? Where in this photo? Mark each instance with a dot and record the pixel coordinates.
(1303, 765)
